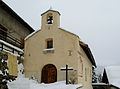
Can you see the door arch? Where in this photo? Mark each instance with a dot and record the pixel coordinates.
(49, 74)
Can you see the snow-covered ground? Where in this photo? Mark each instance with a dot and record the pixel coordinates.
(25, 83)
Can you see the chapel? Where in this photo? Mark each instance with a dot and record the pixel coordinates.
(51, 48)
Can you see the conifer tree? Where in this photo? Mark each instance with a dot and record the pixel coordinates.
(4, 75)
(94, 76)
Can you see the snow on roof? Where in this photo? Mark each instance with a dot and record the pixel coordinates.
(31, 34)
(113, 75)
(46, 24)
(68, 32)
(16, 48)
(50, 10)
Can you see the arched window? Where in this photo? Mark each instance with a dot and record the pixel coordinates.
(50, 18)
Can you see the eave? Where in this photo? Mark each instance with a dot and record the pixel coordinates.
(13, 14)
(87, 52)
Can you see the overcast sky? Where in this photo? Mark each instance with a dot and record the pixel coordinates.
(96, 22)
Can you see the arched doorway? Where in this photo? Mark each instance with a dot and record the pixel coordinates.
(49, 74)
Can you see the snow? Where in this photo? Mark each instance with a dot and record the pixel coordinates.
(48, 49)
(11, 53)
(25, 83)
(6, 70)
(39, 30)
(99, 84)
(113, 74)
(20, 70)
(57, 85)
(20, 83)
(18, 49)
(1, 72)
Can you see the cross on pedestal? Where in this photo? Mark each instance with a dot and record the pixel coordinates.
(66, 69)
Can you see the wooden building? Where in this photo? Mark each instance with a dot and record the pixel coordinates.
(13, 30)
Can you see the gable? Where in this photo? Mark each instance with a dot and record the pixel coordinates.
(113, 75)
(50, 10)
(67, 32)
(104, 78)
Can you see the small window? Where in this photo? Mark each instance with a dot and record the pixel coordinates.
(49, 44)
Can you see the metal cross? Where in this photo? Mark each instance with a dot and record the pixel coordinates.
(66, 69)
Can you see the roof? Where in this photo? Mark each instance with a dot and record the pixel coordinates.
(88, 52)
(68, 32)
(50, 10)
(39, 30)
(113, 75)
(12, 46)
(31, 34)
(13, 14)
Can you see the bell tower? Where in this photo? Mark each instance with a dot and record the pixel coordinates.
(50, 18)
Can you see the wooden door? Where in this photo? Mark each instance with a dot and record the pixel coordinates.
(49, 74)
